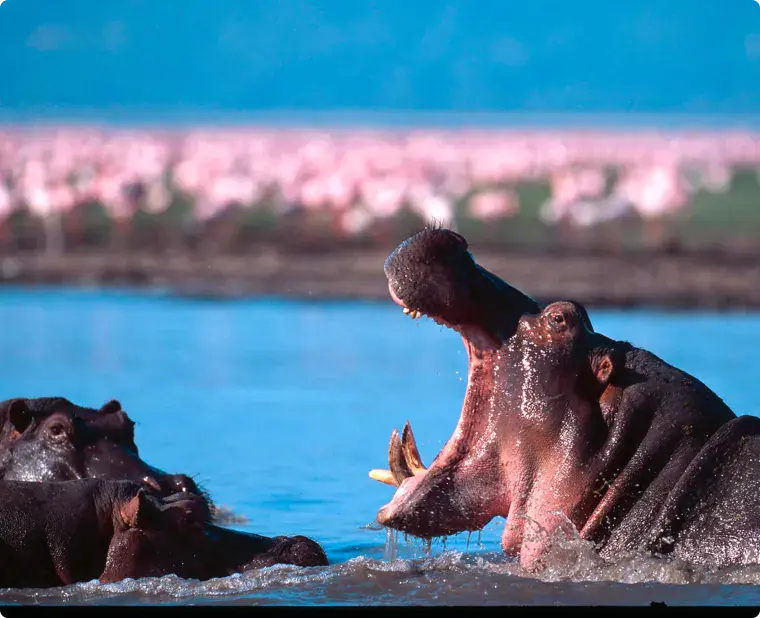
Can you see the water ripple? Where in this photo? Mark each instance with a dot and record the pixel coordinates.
(448, 578)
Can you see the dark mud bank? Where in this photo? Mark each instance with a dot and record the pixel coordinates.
(708, 281)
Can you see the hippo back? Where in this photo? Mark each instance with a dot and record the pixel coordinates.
(712, 515)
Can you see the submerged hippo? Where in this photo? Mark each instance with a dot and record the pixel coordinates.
(563, 427)
(60, 533)
(52, 439)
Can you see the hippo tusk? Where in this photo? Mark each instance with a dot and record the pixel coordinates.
(403, 459)
(384, 476)
(396, 461)
(410, 450)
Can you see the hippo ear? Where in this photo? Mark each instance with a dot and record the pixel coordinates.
(19, 415)
(139, 511)
(112, 406)
(605, 368)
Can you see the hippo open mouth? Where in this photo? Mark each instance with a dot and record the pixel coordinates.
(433, 274)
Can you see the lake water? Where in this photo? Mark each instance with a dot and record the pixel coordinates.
(281, 409)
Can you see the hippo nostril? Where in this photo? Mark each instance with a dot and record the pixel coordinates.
(184, 484)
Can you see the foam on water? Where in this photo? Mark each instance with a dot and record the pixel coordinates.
(576, 576)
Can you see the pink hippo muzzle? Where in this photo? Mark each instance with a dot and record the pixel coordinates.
(456, 494)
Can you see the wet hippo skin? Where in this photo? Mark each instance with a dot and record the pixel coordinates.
(53, 439)
(62, 532)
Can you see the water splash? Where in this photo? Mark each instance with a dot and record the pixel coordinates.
(450, 578)
(391, 544)
(428, 547)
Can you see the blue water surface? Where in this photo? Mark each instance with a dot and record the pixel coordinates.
(281, 408)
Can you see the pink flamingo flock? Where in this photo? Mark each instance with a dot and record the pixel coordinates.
(361, 176)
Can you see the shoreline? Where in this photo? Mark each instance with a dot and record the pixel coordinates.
(693, 281)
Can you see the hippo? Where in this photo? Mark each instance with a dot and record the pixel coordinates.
(564, 430)
(63, 532)
(53, 439)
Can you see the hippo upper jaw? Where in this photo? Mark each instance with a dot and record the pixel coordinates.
(433, 274)
(477, 337)
(486, 320)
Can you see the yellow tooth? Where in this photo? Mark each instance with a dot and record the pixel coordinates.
(406, 310)
(384, 476)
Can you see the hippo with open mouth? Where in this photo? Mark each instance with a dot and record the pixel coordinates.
(563, 426)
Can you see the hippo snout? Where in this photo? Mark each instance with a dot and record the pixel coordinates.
(299, 551)
(384, 516)
(296, 550)
(175, 487)
(407, 520)
(170, 484)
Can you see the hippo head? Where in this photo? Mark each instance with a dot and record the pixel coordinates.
(532, 418)
(154, 537)
(52, 439)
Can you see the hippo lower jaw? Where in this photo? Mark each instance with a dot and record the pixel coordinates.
(431, 502)
(428, 513)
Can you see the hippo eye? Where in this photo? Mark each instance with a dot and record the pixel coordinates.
(57, 431)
